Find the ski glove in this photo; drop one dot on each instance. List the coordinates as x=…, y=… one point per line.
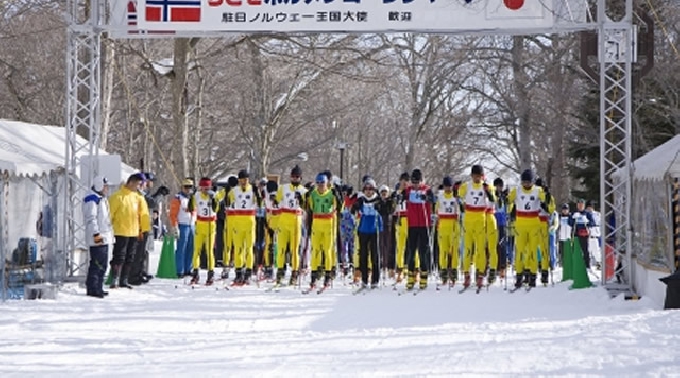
x=162, y=191
x=433, y=218
x=98, y=239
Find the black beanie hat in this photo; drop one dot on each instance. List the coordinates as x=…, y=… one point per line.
x=296, y=171
x=416, y=175
x=477, y=170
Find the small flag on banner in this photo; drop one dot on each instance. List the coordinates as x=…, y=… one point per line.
x=515, y=9
x=132, y=13
x=173, y=10
x=132, y=22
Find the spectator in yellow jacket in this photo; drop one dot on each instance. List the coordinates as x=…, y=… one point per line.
x=125, y=218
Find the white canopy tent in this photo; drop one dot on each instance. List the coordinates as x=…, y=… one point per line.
x=658, y=164
x=656, y=186
x=31, y=182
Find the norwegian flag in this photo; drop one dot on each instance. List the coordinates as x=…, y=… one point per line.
x=173, y=10
x=132, y=13
x=132, y=22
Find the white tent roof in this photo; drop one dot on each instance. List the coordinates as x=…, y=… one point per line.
x=28, y=149
x=657, y=163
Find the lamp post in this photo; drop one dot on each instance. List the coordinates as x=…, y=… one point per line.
x=341, y=146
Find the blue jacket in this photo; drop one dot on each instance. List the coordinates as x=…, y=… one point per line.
x=501, y=213
x=370, y=221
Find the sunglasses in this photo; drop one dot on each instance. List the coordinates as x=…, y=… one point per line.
x=321, y=182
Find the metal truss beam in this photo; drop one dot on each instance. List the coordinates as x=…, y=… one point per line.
x=616, y=55
x=81, y=118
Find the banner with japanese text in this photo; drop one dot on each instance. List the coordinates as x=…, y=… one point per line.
x=345, y=15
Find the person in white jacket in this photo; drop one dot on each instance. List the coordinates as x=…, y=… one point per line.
x=99, y=233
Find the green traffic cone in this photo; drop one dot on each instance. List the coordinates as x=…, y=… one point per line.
x=568, y=260
x=166, y=264
x=581, y=279
x=109, y=279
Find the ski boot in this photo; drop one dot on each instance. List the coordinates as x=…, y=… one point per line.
x=532, y=280
x=293, y=278
x=280, y=273
x=238, y=278
x=411, y=281
x=194, y=277
x=544, y=277
x=423, y=280
x=444, y=275
x=211, y=278
x=225, y=273
x=332, y=273
x=314, y=277
x=328, y=279
x=247, y=276
x=492, y=276
x=454, y=275
x=467, y=282
x=519, y=280
x=399, y=276
x=480, y=280
x=527, y=276
x=115, y=277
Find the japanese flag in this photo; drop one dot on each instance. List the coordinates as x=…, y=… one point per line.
x=517, y=9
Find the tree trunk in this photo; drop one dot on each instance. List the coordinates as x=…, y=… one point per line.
x=558, y=177
x=198, y=172
x=179, y=106
x=522, y=98
x=262, y=137
x=108, y=65
x=408, y=158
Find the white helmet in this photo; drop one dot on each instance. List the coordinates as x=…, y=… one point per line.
x=384, y=188
x=99, y=182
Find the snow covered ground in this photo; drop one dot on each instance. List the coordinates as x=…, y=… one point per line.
x=160, y=330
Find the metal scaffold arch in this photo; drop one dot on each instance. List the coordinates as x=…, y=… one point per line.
x=88, y=19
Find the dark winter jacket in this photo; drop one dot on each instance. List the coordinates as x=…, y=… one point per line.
x=580, y=221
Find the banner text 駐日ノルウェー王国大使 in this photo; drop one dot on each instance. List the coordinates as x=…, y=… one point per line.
x=344, y=15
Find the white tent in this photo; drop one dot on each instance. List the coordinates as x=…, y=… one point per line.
x=655, y=184
x=657, y=164
x=31, y=183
